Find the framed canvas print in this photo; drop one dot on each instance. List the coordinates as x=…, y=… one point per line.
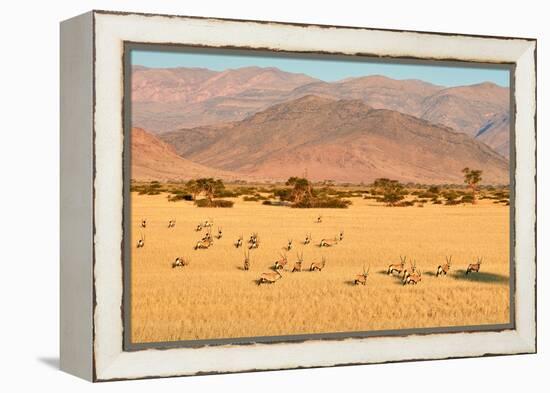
x=247, y=195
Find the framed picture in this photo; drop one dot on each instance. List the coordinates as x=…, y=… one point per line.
x=247, y=195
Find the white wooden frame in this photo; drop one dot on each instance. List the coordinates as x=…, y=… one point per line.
x=92, y=198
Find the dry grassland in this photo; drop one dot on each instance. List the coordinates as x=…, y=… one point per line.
x=214, y=297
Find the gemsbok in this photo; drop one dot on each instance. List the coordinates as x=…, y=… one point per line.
x=253, y=238
x=288, y=245
x=246, y=264
x=319, y=219
x=172, y=223
x=341, y=235
x=180, y=262
x=298, y=264
x=307, y=239
x=239, y=242
x=444, y=269
x=328, y=242
x=141, y=241
x=207, y=235
x=208, y=223
x=407, y=273
x=143, y=223
x=281, y=262
x=318, y=266
x=198, y=228
x=361, y=279
x=255, y=242
x=204, y=244
x=413, y=278
x=270, y=277
x=474, y=267
x=397, y=267
x=219, y=235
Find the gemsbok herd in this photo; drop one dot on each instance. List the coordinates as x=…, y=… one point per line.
x=410, y=275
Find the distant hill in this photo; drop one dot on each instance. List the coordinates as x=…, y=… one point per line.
x=169, y=99
x=340, y=140
x=152, y=159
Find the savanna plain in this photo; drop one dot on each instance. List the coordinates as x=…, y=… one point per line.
x=214, y=297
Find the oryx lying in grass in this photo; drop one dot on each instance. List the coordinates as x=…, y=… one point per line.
x=141, y=241
x=298, y=264
x=180, y=262
x=281, y=262
x=270, y=277
x=318, y=266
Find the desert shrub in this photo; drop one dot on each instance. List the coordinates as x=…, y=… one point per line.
x=247, y=198
x=180, y=197
x=334, y=203
x=214, y=203
x=224, y=193
x=467, y=199
x=267, y=202
x=451, y=197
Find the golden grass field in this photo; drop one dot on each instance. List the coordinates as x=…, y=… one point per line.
x=214, y=297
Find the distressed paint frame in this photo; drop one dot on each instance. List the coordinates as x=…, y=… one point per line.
x=111, y=30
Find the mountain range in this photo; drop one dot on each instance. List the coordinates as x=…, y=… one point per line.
x=340, y=140
x=168, y=99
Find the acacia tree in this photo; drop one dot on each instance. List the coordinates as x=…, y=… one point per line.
x=193, y=187
x=472, y=177
x=302, y=189
x=208, y=186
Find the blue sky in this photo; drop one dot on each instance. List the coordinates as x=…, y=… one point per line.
x=328, y=69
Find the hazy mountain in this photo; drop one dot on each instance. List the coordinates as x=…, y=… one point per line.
x=152, y=159
x=168, y=99
x=341, y=140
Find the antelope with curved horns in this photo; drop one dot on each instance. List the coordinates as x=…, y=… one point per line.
x=219, y=235
x=474, y=267
x=397, y=267
x=298, y=264
x=270, y=277
x=444, y=269
x=362, y=278
x=141, y=241
x=180, y=262
x=172, y=223
x=281, y=262
x=318, y=266
x=239, y=242
x=143, y=223
x=246, y=264
x=328, y=242
x=307, y=239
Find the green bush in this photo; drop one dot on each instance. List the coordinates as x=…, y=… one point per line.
x=180, y=197
x=215, y=203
